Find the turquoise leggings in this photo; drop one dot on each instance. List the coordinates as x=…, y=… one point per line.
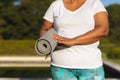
x=59, y=73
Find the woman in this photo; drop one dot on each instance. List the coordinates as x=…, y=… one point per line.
x=80, y=25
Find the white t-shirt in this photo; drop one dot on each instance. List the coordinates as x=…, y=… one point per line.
x=71, y=24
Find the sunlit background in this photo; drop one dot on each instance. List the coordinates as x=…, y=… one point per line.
x=105, y=2
x=20, y=22
x=109, y=2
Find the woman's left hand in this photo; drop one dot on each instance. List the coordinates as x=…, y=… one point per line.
x=63, y=40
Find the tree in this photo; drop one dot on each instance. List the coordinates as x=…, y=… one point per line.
x=114, y=20
x=22, y=22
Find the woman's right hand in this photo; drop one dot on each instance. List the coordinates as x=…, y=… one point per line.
x=63, y=40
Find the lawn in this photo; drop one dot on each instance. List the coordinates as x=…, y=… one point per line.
x=17, y=48
x=106, y=47
x=26, y=48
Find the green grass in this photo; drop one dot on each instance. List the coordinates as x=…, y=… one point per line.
x=26, y=48
x=106, y=46
x=17, y=48
x=115, y=60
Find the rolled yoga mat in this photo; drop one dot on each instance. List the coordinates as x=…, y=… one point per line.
x=46, y=44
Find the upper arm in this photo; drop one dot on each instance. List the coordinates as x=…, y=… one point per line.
x=47, y=24
x=101, y=20
x=45, y=27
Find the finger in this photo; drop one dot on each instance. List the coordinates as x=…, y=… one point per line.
x=54, y=35
x=57, y=37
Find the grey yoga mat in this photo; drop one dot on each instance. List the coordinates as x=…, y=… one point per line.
x=46, y=44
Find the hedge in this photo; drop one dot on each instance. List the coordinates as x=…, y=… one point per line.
x=114, y=53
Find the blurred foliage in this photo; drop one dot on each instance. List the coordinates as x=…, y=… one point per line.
x=23, y=21
x=114, y=53
x=114, y=21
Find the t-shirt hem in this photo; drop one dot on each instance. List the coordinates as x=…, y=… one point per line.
x=78, y=67
x=48, y=19
x=100, y=11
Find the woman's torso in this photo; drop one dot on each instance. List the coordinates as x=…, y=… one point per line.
x=71, y=24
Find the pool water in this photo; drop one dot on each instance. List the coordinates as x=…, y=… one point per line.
x=38, y=72
x=30, y=72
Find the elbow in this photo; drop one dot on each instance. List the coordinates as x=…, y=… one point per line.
x=105, y=32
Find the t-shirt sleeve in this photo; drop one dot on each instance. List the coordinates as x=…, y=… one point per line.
x=49, y=14
x=98, y=7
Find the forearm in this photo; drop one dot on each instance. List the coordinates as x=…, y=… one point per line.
x=91, y=36
x=101, y=29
